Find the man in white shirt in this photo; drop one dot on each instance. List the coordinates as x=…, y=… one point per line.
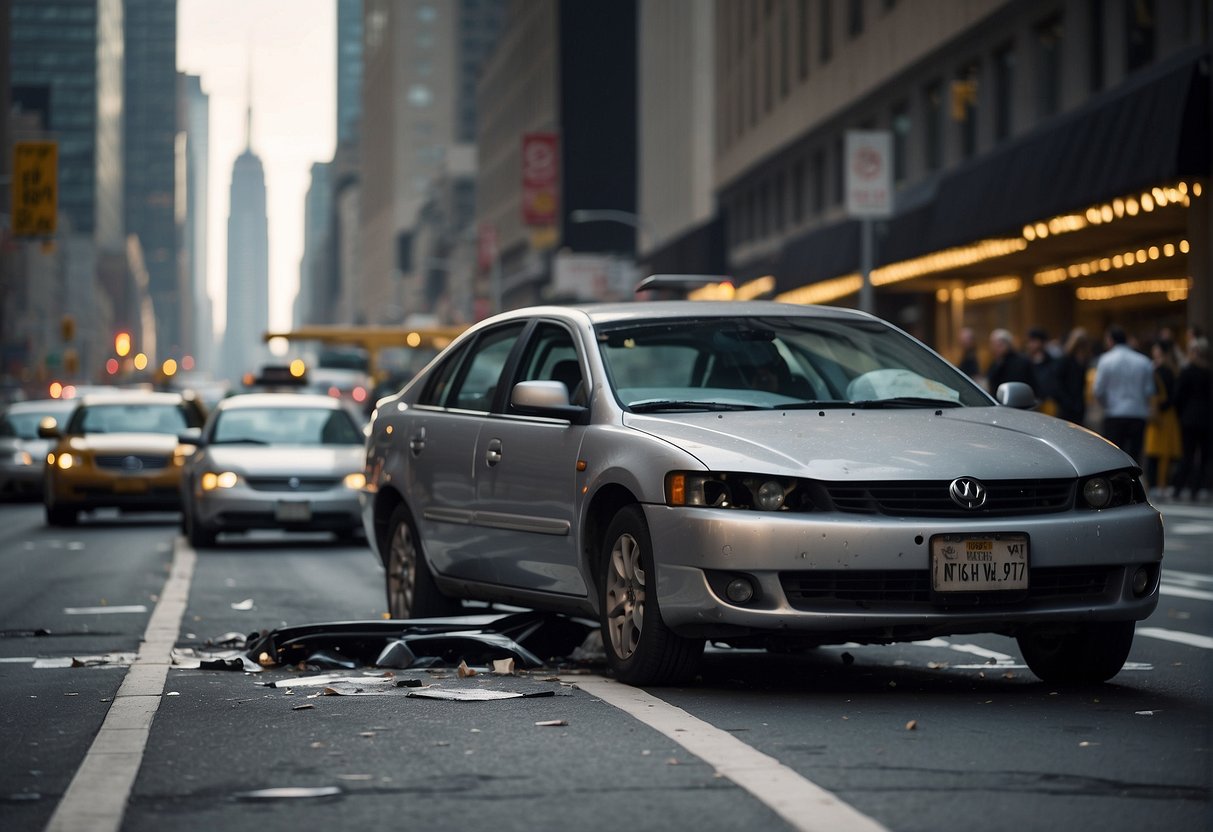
x=1124, y=383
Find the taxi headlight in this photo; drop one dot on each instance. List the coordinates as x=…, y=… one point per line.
x=64, y=461
x=355, y=481
x=224, y=479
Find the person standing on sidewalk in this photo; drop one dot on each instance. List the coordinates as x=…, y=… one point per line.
x=1124, y=383
x=1194, y=406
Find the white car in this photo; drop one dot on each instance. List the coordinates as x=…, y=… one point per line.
x=758, y=474
x=289, y=461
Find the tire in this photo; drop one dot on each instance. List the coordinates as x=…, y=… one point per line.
x=60, y=515
x=640, y=649
x=411, y=591
x=1084, y=654
x=199, y=535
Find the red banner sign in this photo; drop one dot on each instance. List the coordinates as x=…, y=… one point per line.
x=540, y=178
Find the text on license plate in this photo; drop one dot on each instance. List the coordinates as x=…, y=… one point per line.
x=293, y=512
x=979, y=563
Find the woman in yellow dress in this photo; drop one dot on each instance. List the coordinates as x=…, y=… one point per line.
x=1162, y=444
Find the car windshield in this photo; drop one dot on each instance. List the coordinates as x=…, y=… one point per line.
x=285, y=426
x=130, y=418
x=24, y=424
x=775, y=362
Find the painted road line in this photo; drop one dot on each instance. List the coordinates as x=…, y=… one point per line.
x=1177, y=576
x=802, y=803
x=131, y=608
x=1184, y=592
x=1177, y=636
x=96, y=799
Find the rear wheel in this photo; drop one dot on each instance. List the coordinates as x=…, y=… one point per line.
x=640, y=648
x=57, y=515
x=1082, y=654
x=411, y=591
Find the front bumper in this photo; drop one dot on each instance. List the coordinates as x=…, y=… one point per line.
x=825, y=577
x=242, y=508
x=91, y=487
x=23, y=480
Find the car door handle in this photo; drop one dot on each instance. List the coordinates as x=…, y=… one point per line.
x=417, y=442
x=493, y=455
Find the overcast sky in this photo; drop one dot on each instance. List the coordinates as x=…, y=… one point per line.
x=292, y=46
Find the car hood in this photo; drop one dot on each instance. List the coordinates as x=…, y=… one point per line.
x=287, y=460
x=113, y=443
x=863, y=445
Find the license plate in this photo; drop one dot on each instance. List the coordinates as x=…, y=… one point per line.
x=293, y=512
x=979, y=562
x=129, y=486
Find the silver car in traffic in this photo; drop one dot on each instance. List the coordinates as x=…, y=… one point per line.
x=288, y=461
x=754, y=474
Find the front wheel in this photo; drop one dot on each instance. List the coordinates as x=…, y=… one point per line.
x=640, y=648
x=1083, y=654
x=411, y=591
x=200, y=535
x=60, y=515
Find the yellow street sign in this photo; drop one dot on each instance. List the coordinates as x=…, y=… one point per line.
x=35, y=188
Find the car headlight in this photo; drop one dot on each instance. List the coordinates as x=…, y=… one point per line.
x=734, y=490
x=22, y=458
x=1118, y=488
x=181, y=453
x=355, y=481
x=63, y=461
x=221, y=479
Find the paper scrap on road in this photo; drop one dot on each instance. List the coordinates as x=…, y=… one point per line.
x=290, y=793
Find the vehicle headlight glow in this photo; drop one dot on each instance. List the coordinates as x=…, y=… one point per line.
x=21, y=458
x=1117, y=488
x=735, y=490
x=212, y=480
x=355, y=480
x=65, y=461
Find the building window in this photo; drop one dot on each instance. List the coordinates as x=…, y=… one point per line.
x=780, y=190
x=933, y=106
x=1004, y=91
x=826, y=26
x=1139, y=33
x=965, y=90
x=768, y=84
x=802, y=40
x=1095, y=19
x=764, y=212
x=1048, y=67
x=900, y=122
x=819, y=181
x=840, y=165
x=798, y=192
x=785, y=53
x=854, y=18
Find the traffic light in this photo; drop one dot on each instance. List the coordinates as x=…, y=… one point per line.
x=122, y=344
x=67, y=328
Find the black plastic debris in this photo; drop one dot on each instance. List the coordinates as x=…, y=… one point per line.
x=529, y=638
x=326, y=659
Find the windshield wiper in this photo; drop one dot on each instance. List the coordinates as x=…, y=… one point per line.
x=904, y=401
x=655, y=407
x=244, y=440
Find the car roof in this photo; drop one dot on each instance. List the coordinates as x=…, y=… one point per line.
x=639, y=311
x=40, y=406
x=130, y=397
x=283, y=400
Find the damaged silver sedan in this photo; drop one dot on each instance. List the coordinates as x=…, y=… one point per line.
x=758, y=475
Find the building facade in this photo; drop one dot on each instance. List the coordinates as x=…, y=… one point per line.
x=194, y=127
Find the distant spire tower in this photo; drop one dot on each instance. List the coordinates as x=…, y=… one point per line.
x=248, y=101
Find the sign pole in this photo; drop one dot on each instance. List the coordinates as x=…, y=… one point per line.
x=867, y=298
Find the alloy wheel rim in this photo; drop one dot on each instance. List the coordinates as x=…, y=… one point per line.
x=402, y=571
x=625, y=596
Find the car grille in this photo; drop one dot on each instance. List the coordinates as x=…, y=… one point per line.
x=818, y=589
x=931, y=499
x=123, y=462
x=293, y=484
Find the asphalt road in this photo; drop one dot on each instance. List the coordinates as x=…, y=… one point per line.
x=949, y=734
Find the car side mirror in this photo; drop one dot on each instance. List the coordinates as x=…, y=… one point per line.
x=1015, y=394
x=48, y=428
x=190, y=436
x=546, y=398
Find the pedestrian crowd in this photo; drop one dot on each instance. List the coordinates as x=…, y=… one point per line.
x=1153, y=399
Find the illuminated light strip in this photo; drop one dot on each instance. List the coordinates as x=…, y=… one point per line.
x=993, y=288
x=1121, y=260
x=755, y=288
x=951, y=258
x=713, y=291
x=1174, y=289
x=823, y=292
x=1116, y=209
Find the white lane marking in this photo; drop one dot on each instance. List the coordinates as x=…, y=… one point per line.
x=1177, y=636
x=1177, y=576
x=1185, y=592
x=130, y=608
x=19, y=660
x=802, y=803
x=96, y=799
x=983, y=652
x=1192, y=528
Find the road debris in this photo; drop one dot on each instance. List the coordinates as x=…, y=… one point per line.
x=912, y=725
x=246, y=604
x=551, y=723
x=291, y=793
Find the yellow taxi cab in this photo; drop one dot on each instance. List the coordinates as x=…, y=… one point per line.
x=118, y=450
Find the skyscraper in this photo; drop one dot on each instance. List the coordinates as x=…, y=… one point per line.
x=194, y=123
x=248, y=273
x=349, y=68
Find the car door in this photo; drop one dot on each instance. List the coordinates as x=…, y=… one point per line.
x=440, y=439
x=526, y=469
